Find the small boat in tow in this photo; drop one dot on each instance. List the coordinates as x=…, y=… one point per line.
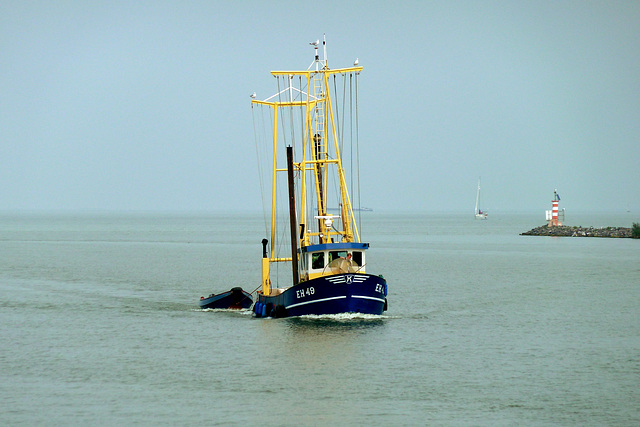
x=235, y=298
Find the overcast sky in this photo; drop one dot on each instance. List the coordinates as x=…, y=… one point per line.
x=144, y=105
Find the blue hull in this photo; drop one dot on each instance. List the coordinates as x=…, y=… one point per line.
x=340, y=293
x=235, y=298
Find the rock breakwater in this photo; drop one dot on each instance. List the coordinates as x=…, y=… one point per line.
x=569, y=231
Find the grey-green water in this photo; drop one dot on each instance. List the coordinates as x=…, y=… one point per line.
x=100, y=326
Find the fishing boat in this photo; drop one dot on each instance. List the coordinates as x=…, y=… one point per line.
x=235, y=298
x=479, y=213
x=314, y=262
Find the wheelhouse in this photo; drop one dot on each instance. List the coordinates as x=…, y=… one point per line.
x=332, y=258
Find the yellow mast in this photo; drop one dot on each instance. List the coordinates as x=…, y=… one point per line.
x=320, y=127
x=273, y=182
x=319, y=160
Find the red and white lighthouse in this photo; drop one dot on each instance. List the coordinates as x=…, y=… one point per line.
x=552, y=215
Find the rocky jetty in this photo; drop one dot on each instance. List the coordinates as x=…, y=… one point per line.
x=570, y=231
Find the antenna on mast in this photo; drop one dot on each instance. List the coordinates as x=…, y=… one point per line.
x=317, y=60
x=316, y=57
x=324, y=48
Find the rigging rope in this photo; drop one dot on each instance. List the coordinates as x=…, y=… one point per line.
x=258, y=157
x=305, y=130
x=358, y=158
x=351, y=131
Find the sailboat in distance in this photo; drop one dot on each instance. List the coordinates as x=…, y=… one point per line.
x=480, y=214
x=314, y=262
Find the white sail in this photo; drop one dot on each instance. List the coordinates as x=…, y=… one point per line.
x=478, y=212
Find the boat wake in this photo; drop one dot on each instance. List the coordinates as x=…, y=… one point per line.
x=343, y=316
x=243, y=312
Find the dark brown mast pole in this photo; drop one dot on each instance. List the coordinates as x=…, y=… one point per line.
x=292, y=216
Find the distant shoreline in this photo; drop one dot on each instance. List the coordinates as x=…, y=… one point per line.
x=363, y=209
x=572, y=231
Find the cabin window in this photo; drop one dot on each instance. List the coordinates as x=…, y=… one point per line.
x=317, y=260
x=333, y=255
x=303, y=262
x=357, y=258
x=322, y=260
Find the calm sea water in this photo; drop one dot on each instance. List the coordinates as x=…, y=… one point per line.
x=100, y=326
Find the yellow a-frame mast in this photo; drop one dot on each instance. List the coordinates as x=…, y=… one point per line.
x=320, y=130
